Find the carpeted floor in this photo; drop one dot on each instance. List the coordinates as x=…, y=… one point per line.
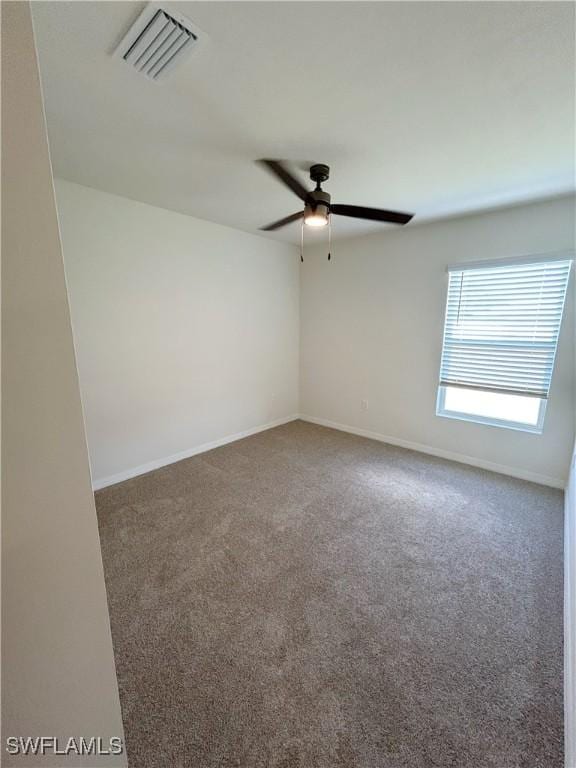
x=305, y=598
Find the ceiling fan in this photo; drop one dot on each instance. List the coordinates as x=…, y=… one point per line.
x=317, y=203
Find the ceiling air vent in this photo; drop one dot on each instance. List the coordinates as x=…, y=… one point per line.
x=158, y=41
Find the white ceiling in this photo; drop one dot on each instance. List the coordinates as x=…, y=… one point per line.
x=431, y=107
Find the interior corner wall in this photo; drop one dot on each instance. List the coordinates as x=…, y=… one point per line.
x=186, y=331
x=372, y=324
x=58, y=676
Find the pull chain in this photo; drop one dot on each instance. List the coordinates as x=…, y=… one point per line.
x=329, y=237
x=302, y=241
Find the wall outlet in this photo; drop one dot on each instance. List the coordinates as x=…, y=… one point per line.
x=363, y=405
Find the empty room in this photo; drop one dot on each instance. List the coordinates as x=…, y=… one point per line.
x=289, y=384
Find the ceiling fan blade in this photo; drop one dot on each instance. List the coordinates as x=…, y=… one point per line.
x=282, y=222
x=374, y=214
x=282, y=173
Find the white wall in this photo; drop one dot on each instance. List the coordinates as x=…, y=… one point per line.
x=570, y=617
x=58, y=676
x=371, y=328
x=186, y=331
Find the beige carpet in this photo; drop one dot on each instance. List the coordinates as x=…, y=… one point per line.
x=305, y=598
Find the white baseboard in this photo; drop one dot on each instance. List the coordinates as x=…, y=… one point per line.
x=502, y=469
x=104, y=482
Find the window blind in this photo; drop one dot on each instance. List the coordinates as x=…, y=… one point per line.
x=501, y=327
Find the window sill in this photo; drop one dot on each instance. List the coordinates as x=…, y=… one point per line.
x=518, y=427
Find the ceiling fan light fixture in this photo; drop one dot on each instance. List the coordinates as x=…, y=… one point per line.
x=316, y=217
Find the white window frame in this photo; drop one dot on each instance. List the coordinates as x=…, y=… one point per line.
x=441, y=409
x=521, y=426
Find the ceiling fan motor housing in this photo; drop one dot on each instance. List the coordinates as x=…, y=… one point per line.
x=317, y=208
x=318, y=202
x=318, y=197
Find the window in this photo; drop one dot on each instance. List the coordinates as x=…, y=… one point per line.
x=500, y=336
